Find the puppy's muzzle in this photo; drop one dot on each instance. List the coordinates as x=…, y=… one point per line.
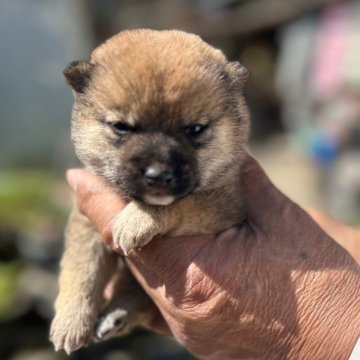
x=158, y=169
x=158, y=182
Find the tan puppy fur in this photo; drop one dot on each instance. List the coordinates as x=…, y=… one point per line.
x=160, y=116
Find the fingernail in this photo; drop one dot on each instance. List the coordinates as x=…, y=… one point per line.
x=71, y=177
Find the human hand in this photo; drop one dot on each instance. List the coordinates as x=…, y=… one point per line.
x=276, y=287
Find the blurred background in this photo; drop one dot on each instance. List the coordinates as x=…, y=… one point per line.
x=304, y=97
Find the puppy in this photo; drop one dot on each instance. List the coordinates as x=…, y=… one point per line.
x=160, y=117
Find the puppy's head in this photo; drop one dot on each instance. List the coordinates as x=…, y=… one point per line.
x=159, y=114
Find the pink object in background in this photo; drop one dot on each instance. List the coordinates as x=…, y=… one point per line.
x=330, y=49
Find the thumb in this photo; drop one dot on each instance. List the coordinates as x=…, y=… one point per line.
x=95, y=200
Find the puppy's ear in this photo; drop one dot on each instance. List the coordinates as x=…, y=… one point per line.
x=238, y=73
x=78, y=74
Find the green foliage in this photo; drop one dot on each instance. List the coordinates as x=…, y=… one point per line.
x=8, y=288
x=26, y=196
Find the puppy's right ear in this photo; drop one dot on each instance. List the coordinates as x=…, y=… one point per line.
x=78, y=74
x=238, y=73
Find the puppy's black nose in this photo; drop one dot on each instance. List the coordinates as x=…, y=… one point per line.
x=156, y=176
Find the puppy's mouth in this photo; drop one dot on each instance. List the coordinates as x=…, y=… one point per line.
x=165, y=198
x=156, y=197
x=160, y=200
x=160, y=188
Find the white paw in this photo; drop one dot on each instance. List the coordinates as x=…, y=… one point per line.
x=133, y=230
x=115, y=323
x=72, y=329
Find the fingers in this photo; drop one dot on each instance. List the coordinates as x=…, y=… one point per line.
x=95, y=200
x=169, y=257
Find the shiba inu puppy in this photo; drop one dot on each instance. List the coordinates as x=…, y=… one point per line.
x=160, y=116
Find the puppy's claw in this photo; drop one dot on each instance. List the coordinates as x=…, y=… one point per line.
x=128, y=250
x=127, y=246
x=70, y=343
x=71, y=331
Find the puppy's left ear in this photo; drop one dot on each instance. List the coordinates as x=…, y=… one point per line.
x=238, y=73
x=78, y=74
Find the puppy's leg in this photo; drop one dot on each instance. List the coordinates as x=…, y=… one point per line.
x=138, y=224
x=128, y=308
x=86, y=267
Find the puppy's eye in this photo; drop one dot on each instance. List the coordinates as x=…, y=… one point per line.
x=122, y=128
x=194, y=130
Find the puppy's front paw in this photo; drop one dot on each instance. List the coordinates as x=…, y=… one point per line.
x=72, y=329
x=133, y=229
